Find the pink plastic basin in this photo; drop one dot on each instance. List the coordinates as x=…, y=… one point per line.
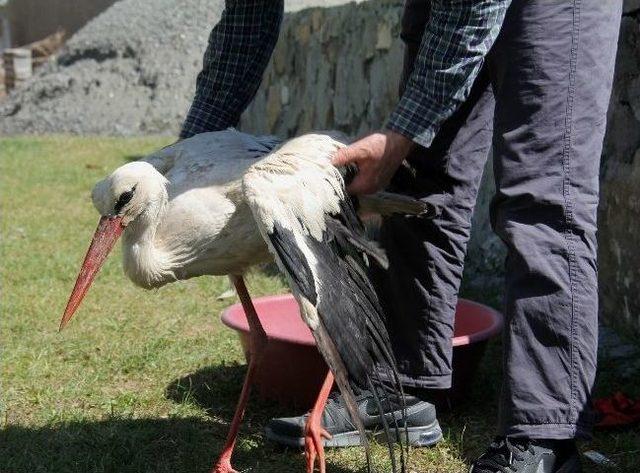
x=292, y=370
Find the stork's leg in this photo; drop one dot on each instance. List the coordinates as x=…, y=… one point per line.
x=314, y=432
x=258, y=342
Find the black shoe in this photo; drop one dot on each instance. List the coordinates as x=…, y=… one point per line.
x=422, y=425
x=511, y=455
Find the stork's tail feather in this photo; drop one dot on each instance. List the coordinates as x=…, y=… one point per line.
x=378, y=353
x=387, y=203
x=341, y=375
x=348, y=234
x=384, y=396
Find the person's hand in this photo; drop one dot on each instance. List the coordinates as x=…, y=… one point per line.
x=378, y=156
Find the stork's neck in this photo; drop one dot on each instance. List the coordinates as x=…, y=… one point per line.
x=145, y=262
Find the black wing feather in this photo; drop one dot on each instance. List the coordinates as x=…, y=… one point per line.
x=351, y=335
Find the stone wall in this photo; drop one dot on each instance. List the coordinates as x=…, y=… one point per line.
x=619, y=229
x=333, y=67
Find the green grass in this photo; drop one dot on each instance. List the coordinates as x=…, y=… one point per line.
x=146, y=381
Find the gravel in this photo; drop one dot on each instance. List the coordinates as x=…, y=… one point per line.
x=129, y=71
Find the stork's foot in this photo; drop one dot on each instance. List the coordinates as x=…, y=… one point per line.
x=314, y=436
x=224, y=465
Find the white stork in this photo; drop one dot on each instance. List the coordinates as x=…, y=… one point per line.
x=221, y=202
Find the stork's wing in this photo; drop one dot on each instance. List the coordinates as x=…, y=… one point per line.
x=312, y=230
x=208, y=148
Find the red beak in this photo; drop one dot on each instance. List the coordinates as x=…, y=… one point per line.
x=108, y=231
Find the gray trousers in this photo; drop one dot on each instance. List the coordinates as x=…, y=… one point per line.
x=540, y=102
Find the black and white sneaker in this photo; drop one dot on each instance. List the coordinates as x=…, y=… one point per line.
x=511, y=455
x=422, y=425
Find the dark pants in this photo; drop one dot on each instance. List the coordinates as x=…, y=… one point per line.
x=540, y=104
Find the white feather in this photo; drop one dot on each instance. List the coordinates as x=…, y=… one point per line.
x=298, y=173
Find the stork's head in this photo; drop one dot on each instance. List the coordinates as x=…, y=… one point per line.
x=132, y=193
x=129, y=192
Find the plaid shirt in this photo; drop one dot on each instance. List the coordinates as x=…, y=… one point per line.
x=239, y=49
x=457, y=38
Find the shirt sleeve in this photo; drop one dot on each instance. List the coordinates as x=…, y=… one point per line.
x=237, y=54
x=457, y=38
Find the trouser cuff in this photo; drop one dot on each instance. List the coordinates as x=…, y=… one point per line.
x=549, y=431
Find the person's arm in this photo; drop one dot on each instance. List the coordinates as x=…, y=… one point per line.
x=457, y=38
x=238, y=52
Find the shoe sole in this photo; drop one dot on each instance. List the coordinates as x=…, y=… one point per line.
x=423, y=436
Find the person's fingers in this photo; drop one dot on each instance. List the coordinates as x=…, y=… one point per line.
x=355, y=188
x=361, y=184
x=346, y=155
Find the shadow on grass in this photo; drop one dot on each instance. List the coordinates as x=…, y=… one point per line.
x=134, y=445
x=469, y=423
x=174, y=445
x=215, y=389
x=192, y=444
x=157, y=445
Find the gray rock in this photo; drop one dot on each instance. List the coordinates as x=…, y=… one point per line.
x=131, y=70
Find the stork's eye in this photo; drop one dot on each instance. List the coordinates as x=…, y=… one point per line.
x=123, y=200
